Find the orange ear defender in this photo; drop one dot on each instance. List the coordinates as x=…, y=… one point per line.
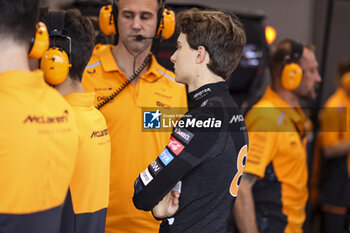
x=40, y=42
x=345, y=80
x=292, y=73
x=166, y=21
x=55, y=63
x=167, y=24
x=291, y=77
x=106, y=21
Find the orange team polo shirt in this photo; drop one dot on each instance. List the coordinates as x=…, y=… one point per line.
x=273, y=139
x=335, y=125
x=38, y=149
x=89, y=187
x=132, y=148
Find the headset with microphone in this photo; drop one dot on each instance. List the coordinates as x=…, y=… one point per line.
x=108, y=24
x=292, y=73
x=165, y=22
x=140, y=37
x=56, y=62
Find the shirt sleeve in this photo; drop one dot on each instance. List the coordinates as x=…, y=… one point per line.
x=190, y=145
x=260, y=154
x=263, y=140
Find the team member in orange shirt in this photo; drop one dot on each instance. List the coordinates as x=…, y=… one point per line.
x=273, y=191
x=38, y=131
x=132, y=148
x=335, y=141
x=86, y=204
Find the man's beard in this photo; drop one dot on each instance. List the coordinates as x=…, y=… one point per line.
x=307, y=95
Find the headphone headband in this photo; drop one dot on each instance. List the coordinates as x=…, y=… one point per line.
x=161, y=2
x=56, y=63
x=56, y=24
x=165, y=27
x=159, y=15
x=292, y=72
x=296, y=51
x=115, y=14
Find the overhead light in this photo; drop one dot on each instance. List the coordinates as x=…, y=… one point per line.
x=270, y=34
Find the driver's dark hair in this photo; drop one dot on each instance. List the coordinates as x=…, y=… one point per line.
x=220, y=33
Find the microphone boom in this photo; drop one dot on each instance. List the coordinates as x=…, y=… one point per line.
x=141, y=37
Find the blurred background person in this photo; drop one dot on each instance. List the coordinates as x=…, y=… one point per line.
x=273, y=191
x=335, y=148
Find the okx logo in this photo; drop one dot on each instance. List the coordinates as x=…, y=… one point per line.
x=151, y=119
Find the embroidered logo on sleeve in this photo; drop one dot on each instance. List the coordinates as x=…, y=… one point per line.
x=138, y=186
x=166, y=157
x=175, y=146
x=184, y=134
x=155, y=167
x=146, y=177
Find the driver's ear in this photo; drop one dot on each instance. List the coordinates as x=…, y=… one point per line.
x=201, y=54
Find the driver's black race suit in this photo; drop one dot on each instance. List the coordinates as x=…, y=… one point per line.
x=207, y=152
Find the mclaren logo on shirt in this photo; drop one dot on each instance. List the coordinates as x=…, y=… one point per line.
x=41, y=119
x=91, y=72
x=99, y=133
